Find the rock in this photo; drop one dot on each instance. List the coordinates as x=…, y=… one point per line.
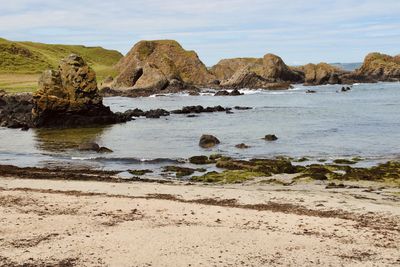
x=199, y=109
x=345, y=89
x=380, y=67
x=235, y=92
x=156, y=65
x=242, y=108
x=16, y=110
x=89, y=146
x=104, y=150
x=222, y=93
x=156, y=113
x=69, y=97
x=208, y=141
x=242, y=146
x=274, y=69
x=199, y=160
x=246, y=79
x=321, y=73
x=270, y=137
x=311, y=91
x=226, y=68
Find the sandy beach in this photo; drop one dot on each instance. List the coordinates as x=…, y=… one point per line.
x=88, y=223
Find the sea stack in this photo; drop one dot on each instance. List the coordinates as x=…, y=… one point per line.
x=157, y=65
x=69, y=97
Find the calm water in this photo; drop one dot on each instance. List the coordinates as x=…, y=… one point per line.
x=363, y=122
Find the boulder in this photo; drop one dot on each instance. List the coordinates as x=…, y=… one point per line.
x=208, y=141
x=242, y=146
x=104, y=150
x=156, y=65
x=226, y=68
x=221, y=93
x=270, y=137
x=89, y=146
x=69, y=97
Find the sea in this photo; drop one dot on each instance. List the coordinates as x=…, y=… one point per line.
x=328, y=124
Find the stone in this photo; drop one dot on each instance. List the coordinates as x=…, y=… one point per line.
x=104, y=150
x=208, y=141
x=270, y=137
x=89, y=146
x=242, y=146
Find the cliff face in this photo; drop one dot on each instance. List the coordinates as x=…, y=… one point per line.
x=156, y=64
x=380, y=67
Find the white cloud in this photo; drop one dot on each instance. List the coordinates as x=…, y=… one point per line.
x=300, y=31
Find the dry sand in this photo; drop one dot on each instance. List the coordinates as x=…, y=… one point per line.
x=77, y=223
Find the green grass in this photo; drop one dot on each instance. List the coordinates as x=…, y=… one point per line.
x=18, y=60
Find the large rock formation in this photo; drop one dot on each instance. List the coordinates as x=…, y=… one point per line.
x=69, y=97
x=380, y=67
x=322, y=73
x=155, y=65
x=226, y=68
x=254, y=73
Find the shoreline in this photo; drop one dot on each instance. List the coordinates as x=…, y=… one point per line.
x=95, y=223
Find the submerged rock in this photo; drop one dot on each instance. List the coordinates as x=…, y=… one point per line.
x=270, y=137
x=242, y=146
x=89, y=146
x=208, y=141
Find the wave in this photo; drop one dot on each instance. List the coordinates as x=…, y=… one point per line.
x=131, y=160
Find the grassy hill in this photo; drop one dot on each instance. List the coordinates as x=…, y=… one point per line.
x=22, y=62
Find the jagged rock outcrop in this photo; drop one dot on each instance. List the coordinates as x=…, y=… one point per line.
x=156, y=65
x=69, y=97
x=255, y=73
x=226, y=68
x=249, y=79
x=322, y=73
x=380, y=67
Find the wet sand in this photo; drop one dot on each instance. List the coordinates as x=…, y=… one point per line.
x=76, y=223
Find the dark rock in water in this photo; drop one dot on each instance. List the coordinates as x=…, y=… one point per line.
x=194, y=93
x=199, y=160
x=311, y=91
x=222, y=93
x=229, y=112
x=235, y=92
x=270, y=137
x=69, y=97
x=156, y=113
x=140, y=172
x=242, y=146
x=90, y=146
x=208, y=141
x=191, y=116
x=242, y=108
x=199, y=109
x=104, y=150
x=345, y=89
x=181, y=171
x=15, y=110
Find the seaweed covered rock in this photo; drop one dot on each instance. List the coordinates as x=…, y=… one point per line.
x=69, y=97
x=156, y=65
x=208, y=141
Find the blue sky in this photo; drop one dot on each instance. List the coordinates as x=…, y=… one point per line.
x=298, y=31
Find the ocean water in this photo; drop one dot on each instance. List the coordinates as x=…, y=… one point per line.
x=364, y=122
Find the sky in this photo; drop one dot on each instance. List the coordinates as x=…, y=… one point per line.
x=298, y=31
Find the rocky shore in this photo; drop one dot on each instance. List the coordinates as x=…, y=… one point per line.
x=154, y=67
x=94, y=218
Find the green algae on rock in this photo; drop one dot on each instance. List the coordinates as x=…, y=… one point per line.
x=227, y=176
